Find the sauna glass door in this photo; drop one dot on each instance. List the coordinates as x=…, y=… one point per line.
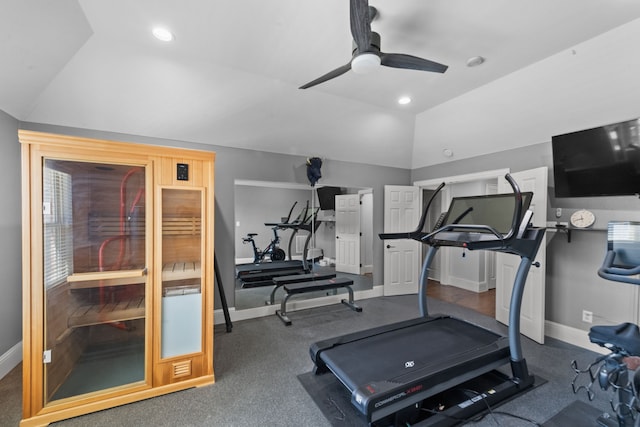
x=95, y=283
x=182, y=251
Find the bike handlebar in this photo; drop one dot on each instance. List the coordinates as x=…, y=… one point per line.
x=618, y=274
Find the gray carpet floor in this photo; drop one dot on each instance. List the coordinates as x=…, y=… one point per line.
x=257, y=366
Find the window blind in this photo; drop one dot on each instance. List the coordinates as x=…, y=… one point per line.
x=58, y=227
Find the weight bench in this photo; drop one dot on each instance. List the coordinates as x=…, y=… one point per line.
x=317, y=285
x=295, y=278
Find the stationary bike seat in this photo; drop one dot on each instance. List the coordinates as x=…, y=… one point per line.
x=625, y=336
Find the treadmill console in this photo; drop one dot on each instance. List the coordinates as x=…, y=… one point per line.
x=473, y=219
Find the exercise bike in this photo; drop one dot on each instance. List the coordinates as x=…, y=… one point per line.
x=621, y=264
x=273, y=250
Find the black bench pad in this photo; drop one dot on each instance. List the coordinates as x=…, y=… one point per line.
x=316, y=285
x=295, y=278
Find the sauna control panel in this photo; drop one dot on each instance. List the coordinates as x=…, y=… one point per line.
x=182, y=173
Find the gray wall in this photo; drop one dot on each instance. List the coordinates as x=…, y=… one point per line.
x=572, y=283
x=239, y=164
x=10, y=230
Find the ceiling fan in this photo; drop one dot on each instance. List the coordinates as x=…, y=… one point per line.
x=366, y=53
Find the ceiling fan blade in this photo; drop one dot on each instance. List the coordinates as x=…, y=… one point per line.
x=330, y=75
x=360, y=24
x=400, y=60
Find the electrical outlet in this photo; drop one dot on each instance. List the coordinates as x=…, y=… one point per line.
x=587, y=316
x=558, y=212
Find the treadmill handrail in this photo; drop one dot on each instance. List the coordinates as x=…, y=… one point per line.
x=517, y=212
x=618, y=274
x=416, y=234
x=306, y=213
x=291, y=211
x=285, y=222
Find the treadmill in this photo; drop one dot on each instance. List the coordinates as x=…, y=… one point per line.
x=258, y=274
x=421, y=371
x=307, y=220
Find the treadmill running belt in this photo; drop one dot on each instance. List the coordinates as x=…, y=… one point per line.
x=426, y=348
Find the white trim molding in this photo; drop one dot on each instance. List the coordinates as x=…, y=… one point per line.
x=571, y=335
x=478, y=176
x=10, y=359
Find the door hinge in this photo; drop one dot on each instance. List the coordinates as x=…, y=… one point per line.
x=46, y=356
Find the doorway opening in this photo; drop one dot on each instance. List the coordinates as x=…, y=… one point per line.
x=456, y=277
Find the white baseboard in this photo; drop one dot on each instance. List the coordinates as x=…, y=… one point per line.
x=570, y=335
x=468, y=285
x=10, y=359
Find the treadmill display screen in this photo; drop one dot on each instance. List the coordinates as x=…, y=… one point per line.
x=494, y=210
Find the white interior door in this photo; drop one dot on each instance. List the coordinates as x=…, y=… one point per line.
x=402, y=256
x=532, y=316
x=348, y=233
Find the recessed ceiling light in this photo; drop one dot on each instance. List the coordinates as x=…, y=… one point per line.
x=162, y=34
x=404, y=100
x=475, y=61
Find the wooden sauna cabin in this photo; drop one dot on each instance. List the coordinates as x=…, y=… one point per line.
x=117, y=272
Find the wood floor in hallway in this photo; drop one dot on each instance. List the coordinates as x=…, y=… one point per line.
x=482, y=302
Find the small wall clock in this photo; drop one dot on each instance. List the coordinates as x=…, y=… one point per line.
x=582, y=218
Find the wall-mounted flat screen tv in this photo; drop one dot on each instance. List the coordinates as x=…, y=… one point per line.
x=327, y=197
x=602, y=161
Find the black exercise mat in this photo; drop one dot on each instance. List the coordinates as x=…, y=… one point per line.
x=577, y=413
x=333, y=399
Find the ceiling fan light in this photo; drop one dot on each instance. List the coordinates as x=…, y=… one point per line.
x=162, y=34
x=365, y=63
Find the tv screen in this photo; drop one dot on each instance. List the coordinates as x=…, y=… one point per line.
x=603, y=161
x=327, y=197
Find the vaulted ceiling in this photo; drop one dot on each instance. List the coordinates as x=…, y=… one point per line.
x=231, y=77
